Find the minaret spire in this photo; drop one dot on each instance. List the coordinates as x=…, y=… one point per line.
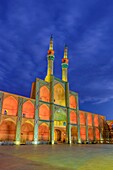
x=65, y=64
x=50, y=58
x=51, y=43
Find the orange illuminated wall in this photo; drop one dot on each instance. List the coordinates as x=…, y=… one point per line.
x=44, y=112
x=27, y=131
x=96, y=120
x=74, y=133
x=89, y=117
x=44, y=132
x=83, y=133
x=28, y=109
x=82, y=118
x=73, y=117
x=44, y=94
x=97, y=134
x=73, y=103
x=90, y=133
x=7, y=131
x=10, y=106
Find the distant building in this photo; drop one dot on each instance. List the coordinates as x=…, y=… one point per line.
x=51, y=114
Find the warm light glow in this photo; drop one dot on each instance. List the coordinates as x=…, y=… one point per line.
x=97, y=134
x=89, y=117
x=28, y=109
x=83, y=133
x=96, y=123
x=7, y=131
x=73, y=117
x=27, y=132
x=44, y=132
x=44, y=94
x=82, y=118
x=10, y=106
x=44, y=112
x=90, y=133
x=73, y=103
x=59, y=95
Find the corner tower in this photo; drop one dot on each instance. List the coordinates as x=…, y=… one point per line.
x=65, y=65
x=50, y=57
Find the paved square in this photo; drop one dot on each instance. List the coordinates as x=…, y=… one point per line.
x=57, y=157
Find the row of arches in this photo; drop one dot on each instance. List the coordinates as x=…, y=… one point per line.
x=10, y=107
x=89, y=118
x=8, y=132
x=59, y=96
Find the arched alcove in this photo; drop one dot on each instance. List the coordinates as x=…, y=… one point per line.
x=82, y=118
x=44, y=94
x=97, y=133
x=10, y=106
x=28, y=109
x=7, y=130
x=59, y=95
x=74, y=134
x=83, y=133
x=27, y=131
x=73, y=103
x=89, y=117
x=90, y=134
x=73, y=117
x=44, y=112
x=43, y=132
x=96, y=120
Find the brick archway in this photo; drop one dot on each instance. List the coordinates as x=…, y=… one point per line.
x=7, y=130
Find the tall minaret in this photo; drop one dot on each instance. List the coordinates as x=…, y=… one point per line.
x=50, y=58
x=65, y=65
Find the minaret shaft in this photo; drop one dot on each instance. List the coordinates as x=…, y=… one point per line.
x=50, y=58
x=65, y=65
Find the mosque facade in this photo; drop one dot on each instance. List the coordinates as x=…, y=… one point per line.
x=51, y=114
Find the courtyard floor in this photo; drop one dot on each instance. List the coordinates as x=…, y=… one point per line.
x=57, y=157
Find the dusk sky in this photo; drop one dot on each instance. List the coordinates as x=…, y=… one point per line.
x=86, y=26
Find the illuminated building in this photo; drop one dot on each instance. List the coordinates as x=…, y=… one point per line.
x=51, y=114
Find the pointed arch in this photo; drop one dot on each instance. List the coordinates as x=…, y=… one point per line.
x=44, y=112
x=59, y=94
x=73, y=117
x=83, y=133
x=90, y=134
x=43, y=132
x=74, y=134
x=96, y=123
x=27, y=131
x=82, y=118
x=97, y=133
x=28, y=109
x=89, y=117
x=7, y=130
x=10, y=106
x=73, y=103
x=44, y=94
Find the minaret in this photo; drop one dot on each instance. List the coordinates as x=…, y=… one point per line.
x=65, y=65
x=50, y=58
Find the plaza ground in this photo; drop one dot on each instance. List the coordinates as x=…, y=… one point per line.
x=57, y=157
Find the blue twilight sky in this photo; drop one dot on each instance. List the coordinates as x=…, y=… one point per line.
x=86, y=26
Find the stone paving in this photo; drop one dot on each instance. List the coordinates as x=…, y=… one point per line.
x=57, y=157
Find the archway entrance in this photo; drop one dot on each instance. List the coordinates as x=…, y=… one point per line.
x=57, y=135
x=74, y=134
x=7, y=131
x=60, y=125
x=27, y=131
